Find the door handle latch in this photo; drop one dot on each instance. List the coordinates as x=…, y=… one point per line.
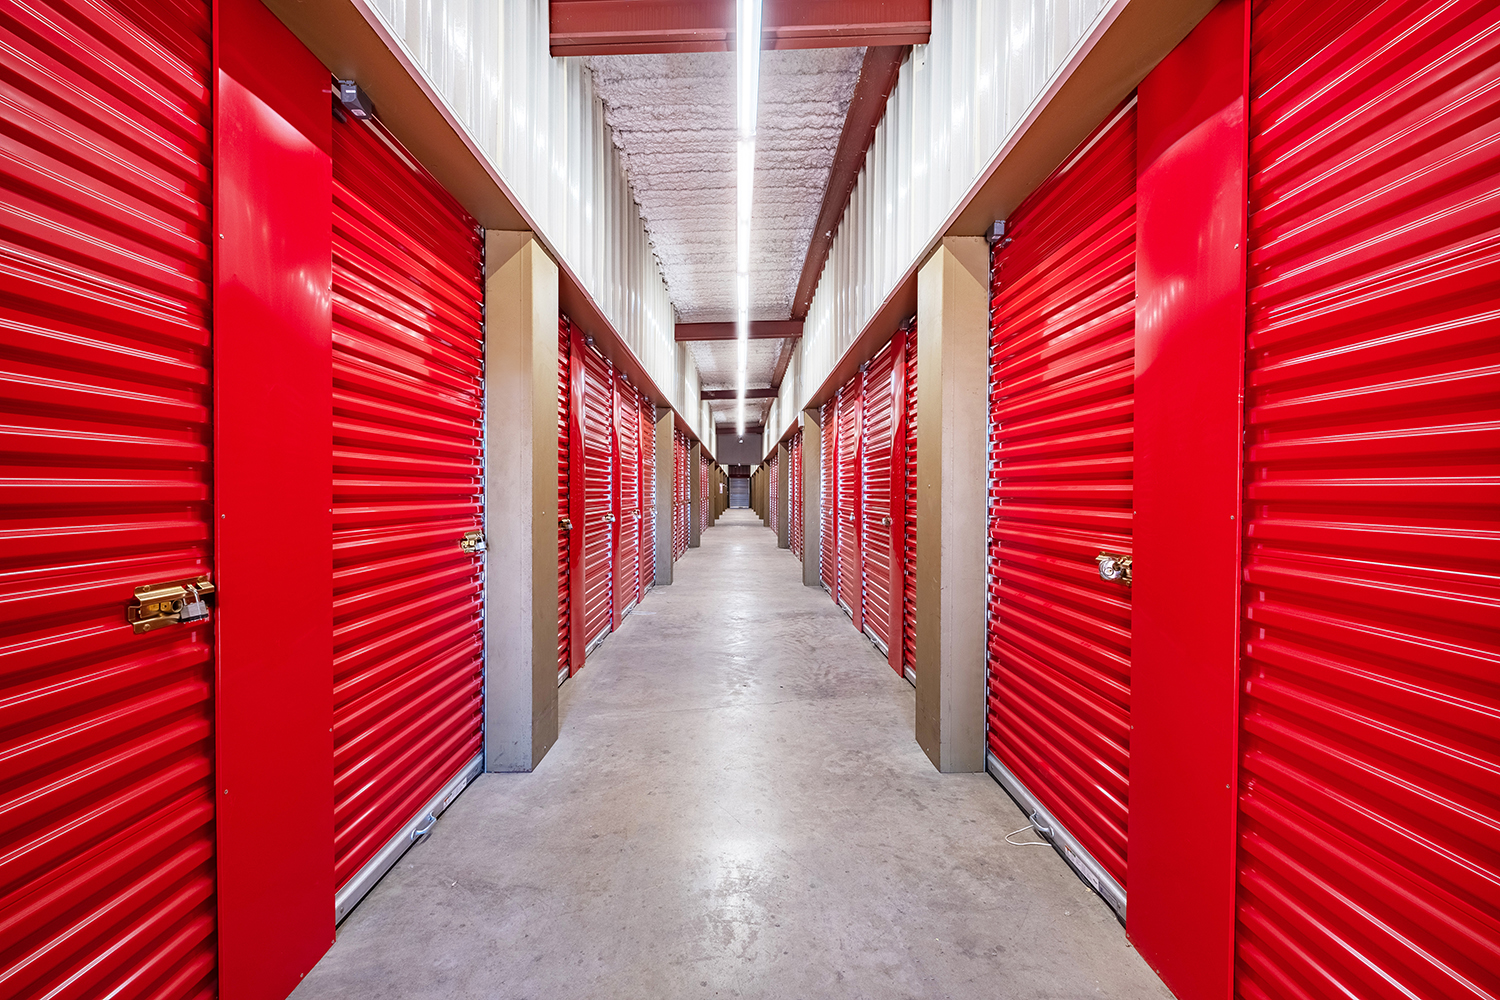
x=158, y=604
x=1113, y=567
x=563, y=524
x=473, y=542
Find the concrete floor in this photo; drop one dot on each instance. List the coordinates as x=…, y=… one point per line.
x=735, y=808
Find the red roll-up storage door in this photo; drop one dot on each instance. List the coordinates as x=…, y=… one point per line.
x=909, y=534
x=1369, y=794
x=795, y=488
x=646, y=424
x=598, y=498
x=703, y=467
x=878, y=416
x=828, y=505
x=679, y=493
x=628, y=499
x=848, y=486
x=774, y=485
x=106, y=750
x=408, y=293
x=1062, y=351
x=564, y=504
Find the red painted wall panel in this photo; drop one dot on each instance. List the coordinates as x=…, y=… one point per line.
x=1369, y=787
x=408, y=289
x=879, y=414
x=828, y=509
x=646, y=429
x=847, y=485
x=106, y=753
x=627, y=499
x=1061, y=374
x=599, y=497
x=564, y=500
x=909, y=492
x=272, y=397
x=1189, y=367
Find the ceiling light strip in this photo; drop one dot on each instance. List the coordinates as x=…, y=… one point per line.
x=747, y=98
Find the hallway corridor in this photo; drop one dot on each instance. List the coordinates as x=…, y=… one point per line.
x=736, y=806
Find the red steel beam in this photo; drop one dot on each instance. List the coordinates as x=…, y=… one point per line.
x=627, y=27
x=876, y=78
x=734, y=394
x=760, y=329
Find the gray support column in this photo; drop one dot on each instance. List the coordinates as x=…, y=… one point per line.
x=695, y=495
x=664, y=460
x=953, y=317
x=520, y=524
x=783, y=497
x=812, y=499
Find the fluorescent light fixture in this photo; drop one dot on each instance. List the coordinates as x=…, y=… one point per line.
x=747, y=99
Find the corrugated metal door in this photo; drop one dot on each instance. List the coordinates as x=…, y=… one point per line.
x=408, y=293
x=598, y=498
x=628, y=499
x=564, y=506
x=773, y=467
x=679, y=494
x=1062, y=351
x=795, y=488
x=828, y=507
x=909, y=535
x=877, y=431
x=646, y=422
x=739, y=492
x=703, y=470
x=849, y=474
x=106, y=754
x=1369, y=796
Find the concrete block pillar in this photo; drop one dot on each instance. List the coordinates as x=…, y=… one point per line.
x=664, y=459
x=695, y=495
x=520, y=521
x=812, y=499
x=953, y=317
x=783, y=496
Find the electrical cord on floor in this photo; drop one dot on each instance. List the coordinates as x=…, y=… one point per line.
x=1025, y=843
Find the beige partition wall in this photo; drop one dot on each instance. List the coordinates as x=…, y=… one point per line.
x=520, y=521
x=695, y=495
x=812, y=499
x=783, y=496
x=953, y=315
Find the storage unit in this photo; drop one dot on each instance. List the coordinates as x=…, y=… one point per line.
x=1369, y=802
x=795, y=511
x=909, y=495
x=679, y=494
x=773, y=487
x=565, y=461
x=646, y=525
x=596, y=430
x=704, y=468
x=828, y=510
x=106, y=783
x=408, y=328
x=1061, y=381
x=882, y=480
x=627, y=550
x=847, y=486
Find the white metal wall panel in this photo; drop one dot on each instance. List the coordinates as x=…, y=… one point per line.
x=957, y=102
x=537, y=120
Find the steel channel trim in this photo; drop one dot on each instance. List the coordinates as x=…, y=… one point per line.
x=347, y=898
x=562, y=675
x=1081, y=861
x=875, y=640
x=911, y=676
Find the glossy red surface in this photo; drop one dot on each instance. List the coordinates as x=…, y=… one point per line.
x=1189, y=364
x=847, y=486
x=1369, y=787
x=564, y=502
x=794, y=480
x=879, y=417
x=909, y=492
x=773, y=483
x=408, y=292
x=704, y=467
x=107, y=805
x=646, y=431
x=577, y=643
x=599, y=509
x=627, y=555
x=828, y=510
x=680, y=507
x=1059, y=638
x=273, y=408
